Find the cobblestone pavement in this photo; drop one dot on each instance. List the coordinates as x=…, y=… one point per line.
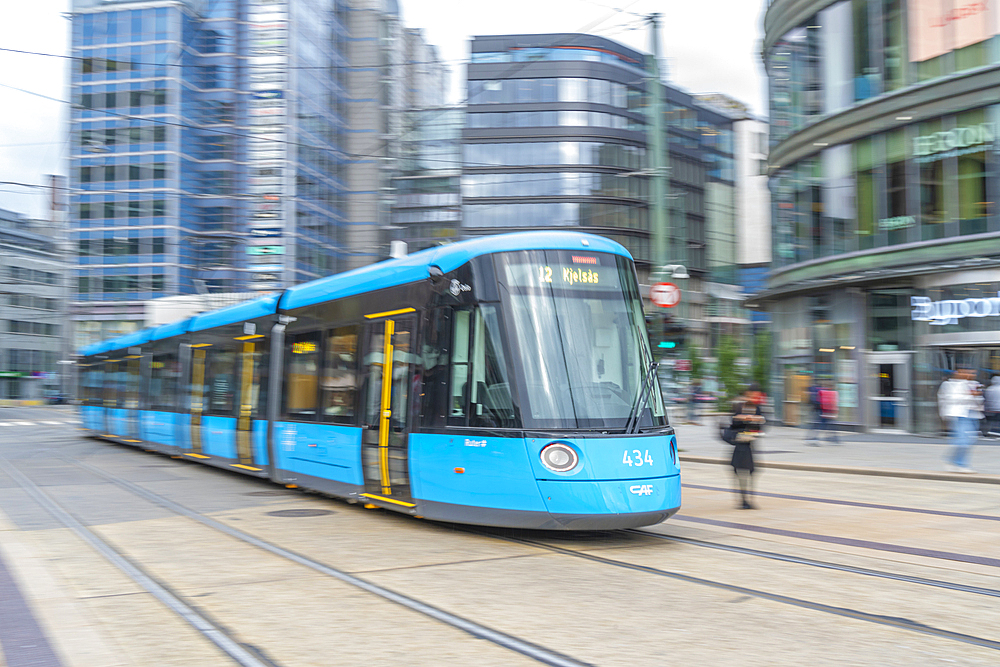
x=830, y=569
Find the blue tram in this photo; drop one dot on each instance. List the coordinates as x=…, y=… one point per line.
x=502, y=381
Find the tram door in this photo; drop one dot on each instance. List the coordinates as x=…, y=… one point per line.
x=388, y=377
x=249, y=390
x=197, y=396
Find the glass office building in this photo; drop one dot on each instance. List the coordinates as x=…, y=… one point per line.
x=556, y=136
x=883, y=175
x=205, y=150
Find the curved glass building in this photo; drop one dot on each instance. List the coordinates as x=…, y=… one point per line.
x=556, y=136
x=883, y=175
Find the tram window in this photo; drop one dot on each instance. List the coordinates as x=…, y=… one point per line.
x=402, y=371
x=164, y=374
x=132, y=379
x=460, y=368
x=434, y=368
x=111, y=381
x=491, y=404
x=480, y=391
x=301, y=380
x=92, y=386
x=220, y=382
x=340, y=379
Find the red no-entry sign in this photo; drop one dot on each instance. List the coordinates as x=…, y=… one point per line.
x=665, y=295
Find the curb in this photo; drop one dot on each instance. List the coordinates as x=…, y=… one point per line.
x=846, y=470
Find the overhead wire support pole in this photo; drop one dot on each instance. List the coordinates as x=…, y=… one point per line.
x=659, y=160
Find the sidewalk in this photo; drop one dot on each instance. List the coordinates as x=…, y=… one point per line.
x=895, y=455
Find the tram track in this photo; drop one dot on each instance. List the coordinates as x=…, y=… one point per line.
x=534, y=651
x=798, y=560
x=213, y=630
x=844, y=612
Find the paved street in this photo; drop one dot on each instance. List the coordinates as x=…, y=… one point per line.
x=831, y=569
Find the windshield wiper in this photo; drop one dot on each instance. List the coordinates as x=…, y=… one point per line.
x=640, y=401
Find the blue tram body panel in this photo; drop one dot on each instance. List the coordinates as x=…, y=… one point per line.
x=118, y=421
x=159, y=427
x=218, y=436
x=320, y=450
x=634, y=457
x=92, y=417
x=260, y=442
x=612, y=497
x=495, y=474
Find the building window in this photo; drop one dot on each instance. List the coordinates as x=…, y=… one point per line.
x=864, y=170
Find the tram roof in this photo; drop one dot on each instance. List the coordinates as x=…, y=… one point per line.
x=415, y=267
x=390, y=273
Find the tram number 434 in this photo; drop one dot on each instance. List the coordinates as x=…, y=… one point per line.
x=636, y=458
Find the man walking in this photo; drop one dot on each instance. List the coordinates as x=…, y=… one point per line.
x=960, y=408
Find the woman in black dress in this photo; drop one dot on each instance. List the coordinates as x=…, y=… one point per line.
x=744, y=428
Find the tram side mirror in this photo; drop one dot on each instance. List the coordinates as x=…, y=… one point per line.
x=436, y=277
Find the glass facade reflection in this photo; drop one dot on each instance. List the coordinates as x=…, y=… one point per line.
x=186, y=153
x=558, y=140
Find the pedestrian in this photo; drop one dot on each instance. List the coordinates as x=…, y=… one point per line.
x=991, y=403
x=829, y=411
x=814, y=415
x=695, y=392
x=961, y=409
x=744, y=427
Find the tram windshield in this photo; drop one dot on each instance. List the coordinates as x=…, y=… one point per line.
x=579, y=340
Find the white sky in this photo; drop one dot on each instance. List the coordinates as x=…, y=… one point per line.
x=709, y=46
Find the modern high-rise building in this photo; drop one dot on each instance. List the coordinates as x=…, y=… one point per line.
x=206, y=149
x=556, y=136
x=33, y=329
x=752, y=221
x=427, y=199
x=232, y=145
x=393, y=73
x=884, y=171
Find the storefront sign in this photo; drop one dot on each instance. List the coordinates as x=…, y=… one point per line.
x=937, y=27
x=959, y=141
x=901, y=222
x=953, y=310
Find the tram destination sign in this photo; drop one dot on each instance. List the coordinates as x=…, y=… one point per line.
x=585, y=273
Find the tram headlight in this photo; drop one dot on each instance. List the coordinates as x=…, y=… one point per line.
x=559, y=457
